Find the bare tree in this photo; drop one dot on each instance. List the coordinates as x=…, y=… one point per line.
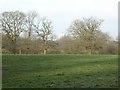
x=44, y=31
x=12, y=26
x=30, y=22
x=86, y=30
x=30, y=25
x=0, y=34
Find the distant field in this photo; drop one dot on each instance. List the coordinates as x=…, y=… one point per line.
x=60, y=71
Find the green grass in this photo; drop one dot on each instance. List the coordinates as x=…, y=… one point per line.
x=60, y=71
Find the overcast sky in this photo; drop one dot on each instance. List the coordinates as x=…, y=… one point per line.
x=63, y=12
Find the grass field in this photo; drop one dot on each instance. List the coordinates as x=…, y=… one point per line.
x=60, y=71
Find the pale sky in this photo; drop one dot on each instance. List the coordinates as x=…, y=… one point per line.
x=63, y=12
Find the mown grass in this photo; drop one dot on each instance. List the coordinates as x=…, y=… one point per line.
x=60, y=71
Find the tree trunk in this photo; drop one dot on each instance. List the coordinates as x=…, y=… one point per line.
x=90, y=52
x=14, y=51
x=14, y=46
x=20, y=51
x=45, y=52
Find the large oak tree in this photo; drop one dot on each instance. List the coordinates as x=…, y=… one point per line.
x=12, y=26
x=87, y=31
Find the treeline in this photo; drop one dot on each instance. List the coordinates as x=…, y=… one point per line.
x=28, y=33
